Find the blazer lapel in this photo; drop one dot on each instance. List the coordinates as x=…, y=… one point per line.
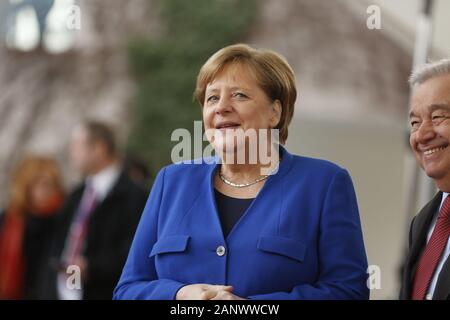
x=269, y=187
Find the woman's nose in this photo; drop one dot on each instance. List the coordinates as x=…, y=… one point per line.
x=223, y=106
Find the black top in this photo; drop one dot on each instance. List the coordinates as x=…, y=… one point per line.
x=230, y=210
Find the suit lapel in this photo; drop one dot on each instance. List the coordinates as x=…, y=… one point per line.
x=419, y=233
x=442, y=290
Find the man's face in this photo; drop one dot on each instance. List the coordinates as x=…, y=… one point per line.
x=82, y=153
x=430, y=128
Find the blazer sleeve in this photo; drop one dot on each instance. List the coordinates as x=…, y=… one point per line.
x=139, y=279
x=341, y=254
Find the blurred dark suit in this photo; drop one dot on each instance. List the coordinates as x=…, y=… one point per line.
x=110, y=231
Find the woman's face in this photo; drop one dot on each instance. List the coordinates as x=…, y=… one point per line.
x=43, y=190
x=235, y=103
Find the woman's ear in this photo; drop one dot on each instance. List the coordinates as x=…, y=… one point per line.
x=276, y=109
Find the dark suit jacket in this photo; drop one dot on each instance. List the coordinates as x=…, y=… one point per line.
x=110, y=231
x=417, y=240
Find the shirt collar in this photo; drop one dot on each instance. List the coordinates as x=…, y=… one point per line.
x=444, y=196
x=103, y=181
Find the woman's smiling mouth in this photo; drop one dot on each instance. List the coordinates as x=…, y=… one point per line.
x=227, y=125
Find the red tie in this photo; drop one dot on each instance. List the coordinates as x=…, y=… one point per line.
x=78, y=228
x=432, y=253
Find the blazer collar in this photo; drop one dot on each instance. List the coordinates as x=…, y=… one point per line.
x=284, y=167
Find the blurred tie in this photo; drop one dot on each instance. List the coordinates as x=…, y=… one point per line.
x=77, y=233
x=432, y=253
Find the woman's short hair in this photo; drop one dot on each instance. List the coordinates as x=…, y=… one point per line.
x=272, y=71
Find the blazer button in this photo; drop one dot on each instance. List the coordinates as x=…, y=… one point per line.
x=220, y=251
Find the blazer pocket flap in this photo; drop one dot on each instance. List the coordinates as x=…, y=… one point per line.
x=284, y=246
x=170, y=244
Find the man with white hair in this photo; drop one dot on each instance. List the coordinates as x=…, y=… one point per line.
x=426, y=272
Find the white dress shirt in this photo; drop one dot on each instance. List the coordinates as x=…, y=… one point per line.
x=444, y=257
x=104, y=181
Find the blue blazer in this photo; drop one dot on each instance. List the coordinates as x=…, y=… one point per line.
x=299, y=239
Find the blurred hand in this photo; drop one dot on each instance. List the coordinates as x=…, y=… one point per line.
x=201, y=291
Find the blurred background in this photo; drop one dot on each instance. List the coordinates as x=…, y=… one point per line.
x=133, y=64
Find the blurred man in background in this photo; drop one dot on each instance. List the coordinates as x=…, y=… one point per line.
x=427, y=268
x=97, y=221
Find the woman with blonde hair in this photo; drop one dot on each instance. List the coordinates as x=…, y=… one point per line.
x=26, y=225
x=287, y=229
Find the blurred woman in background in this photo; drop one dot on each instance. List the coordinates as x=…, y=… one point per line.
x=26, y=225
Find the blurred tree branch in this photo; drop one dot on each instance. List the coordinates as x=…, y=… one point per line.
x=166, y=68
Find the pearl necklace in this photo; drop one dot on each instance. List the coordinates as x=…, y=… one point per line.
x=243, y=185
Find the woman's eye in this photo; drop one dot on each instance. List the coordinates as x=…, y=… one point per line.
x=240, y=95
x=212, y=98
